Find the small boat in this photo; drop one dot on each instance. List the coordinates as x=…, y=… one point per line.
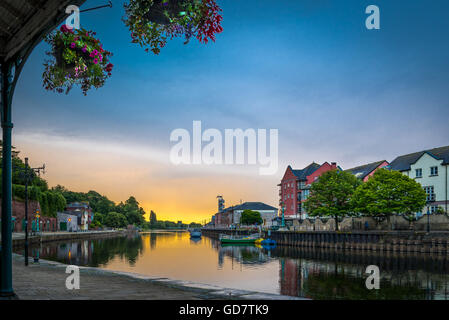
x=195, y=233
x=268, y=242
x=251, y=239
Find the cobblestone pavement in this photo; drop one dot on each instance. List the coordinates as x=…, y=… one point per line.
x=45, y=281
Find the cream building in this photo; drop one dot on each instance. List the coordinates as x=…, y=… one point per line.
x=430, y=169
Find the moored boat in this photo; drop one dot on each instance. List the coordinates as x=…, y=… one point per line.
x=251, y=239
x=195, y=233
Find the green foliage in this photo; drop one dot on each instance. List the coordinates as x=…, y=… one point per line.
x=50, y=201
x=115, y=220
x=330, y=194
x=389, y=192
x=249, y=217
x=98, y=219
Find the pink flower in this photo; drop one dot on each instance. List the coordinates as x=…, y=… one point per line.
x=95, y=60
x=95, y=52
x=73, y=45
x=84, y=49
x=64, y=28
x=109, y=67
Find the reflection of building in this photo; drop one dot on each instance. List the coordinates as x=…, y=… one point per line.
x=79, y=253
x=290, y=277
x=243, y=254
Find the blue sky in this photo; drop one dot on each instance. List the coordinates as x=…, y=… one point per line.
x=335, y=90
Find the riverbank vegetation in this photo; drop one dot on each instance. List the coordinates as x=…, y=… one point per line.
x=50, y=202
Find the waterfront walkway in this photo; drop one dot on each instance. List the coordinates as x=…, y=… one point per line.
x=46, y=281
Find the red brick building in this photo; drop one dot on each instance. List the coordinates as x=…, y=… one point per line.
x=295, y=185
x=18, y=217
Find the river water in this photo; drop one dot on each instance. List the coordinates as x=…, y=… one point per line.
x=316, y=274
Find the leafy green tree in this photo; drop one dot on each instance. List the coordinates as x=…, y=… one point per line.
x=115, y=220
x=387, y=193
x=98, y=218
x=330, y=195
x=250, y=217
x=134, y=217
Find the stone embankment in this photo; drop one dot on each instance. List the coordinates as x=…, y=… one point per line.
x=436, y=242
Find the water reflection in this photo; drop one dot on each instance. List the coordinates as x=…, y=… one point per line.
x=317, y=274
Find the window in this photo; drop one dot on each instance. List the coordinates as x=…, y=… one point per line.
x=433, y=171
x=430, y=193
x=306, y=194
x=418, y=173
x=433, y=209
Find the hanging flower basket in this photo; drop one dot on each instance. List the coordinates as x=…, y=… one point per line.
x=153, y=22
x=162, y=11
x=77, y=59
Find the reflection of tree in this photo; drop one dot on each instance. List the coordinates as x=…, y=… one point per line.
x=95, y=252
x=341, y=286
x=124, y=247
x=153, y=237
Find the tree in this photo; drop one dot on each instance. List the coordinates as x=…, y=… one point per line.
x=98, y=219
x=153, y=218
x=250, y=217
x=134, y=214
x=330, y=195
x=115, y=220
x=387, y=193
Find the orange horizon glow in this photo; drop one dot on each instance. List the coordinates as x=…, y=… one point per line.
x=186, y=194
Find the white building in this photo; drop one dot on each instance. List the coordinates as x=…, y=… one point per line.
x=430, y=169
x=268, y=213
x=67, y=221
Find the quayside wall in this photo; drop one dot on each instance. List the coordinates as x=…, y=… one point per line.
x=376, y=241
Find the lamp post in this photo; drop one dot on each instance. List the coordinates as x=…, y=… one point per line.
x=428, y=217
x=28, y=175
x=283, y=217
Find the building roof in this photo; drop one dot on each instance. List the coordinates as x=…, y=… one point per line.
x=402, y=163
x=307, y=171
x=25, y=22
x=362, y=171
x=254, y=206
